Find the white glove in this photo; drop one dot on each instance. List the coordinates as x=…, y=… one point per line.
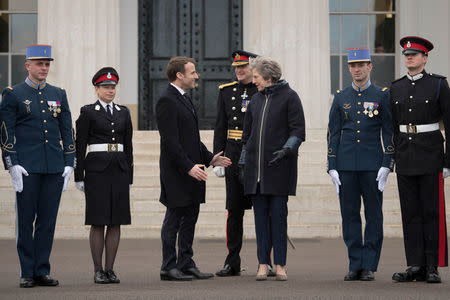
x=219, y=171
x=16, y=172
x=445, y=172
x=66, y=174
x=79, y=185
x=335, y=179
x=382, y=176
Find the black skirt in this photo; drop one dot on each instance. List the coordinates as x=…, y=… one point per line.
x=107, y=196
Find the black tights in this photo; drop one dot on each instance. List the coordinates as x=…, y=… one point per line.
x=98, y=240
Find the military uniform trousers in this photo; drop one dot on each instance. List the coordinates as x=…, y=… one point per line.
x=38, y=203
x=236, y=205
x=354, y=184
x=423, y=217
x=181, y=221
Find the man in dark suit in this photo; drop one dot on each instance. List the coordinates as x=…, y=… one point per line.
x=39, y=152
x=182, y=162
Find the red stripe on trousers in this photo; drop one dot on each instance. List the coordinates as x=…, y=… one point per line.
x=226, y=230
x=442, y=229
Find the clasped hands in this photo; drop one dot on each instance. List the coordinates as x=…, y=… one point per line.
x=218, y=160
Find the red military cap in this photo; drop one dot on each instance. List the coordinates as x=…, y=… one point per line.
x=106, y=76
x=241, y=57
x=415, y=44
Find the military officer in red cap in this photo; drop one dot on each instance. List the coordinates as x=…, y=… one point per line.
x=419, y=101
x=105, y=174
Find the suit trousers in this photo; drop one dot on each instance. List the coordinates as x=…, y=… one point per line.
x=179, y=221
x=275, y=207
x=234, y=233
x=423, y=217
x=354, y=184
x=37, y=204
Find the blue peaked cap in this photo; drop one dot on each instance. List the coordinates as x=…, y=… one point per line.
x=358, y=55
x=39, y=52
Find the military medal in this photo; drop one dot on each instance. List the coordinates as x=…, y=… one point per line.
x=27, y=103
x=375, y=112
x=370, y=114
x=245, y=102
x=244, y=109
x=366, y=112
x=58, y=110
x=55, y=114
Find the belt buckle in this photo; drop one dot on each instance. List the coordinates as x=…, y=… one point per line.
x=411, y=128
x=113, y=147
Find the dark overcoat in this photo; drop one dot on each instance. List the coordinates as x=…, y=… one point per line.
x=106, y=175
x=272, y=117
x=181, y=149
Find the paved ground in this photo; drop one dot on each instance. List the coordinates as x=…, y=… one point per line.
x=316, y=269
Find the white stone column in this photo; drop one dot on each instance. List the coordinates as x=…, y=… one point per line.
x=84, y=35
x=296, y=34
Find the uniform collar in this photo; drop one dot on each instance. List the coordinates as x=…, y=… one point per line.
x=363, y=87
x=248, y=85
x=415, y=77
x=103, y=103
x=35, y=85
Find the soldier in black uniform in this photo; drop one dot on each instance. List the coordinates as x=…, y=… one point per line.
x=231, y=106
x=106, y=173
x=419, y=101
x=39, y=152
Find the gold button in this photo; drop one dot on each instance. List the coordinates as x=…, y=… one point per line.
x=236, y=128
x=42, y=101
x=46, y=131
x=358, y=141
x=396, y=102
x=426, y=101
x=233, y=98
x=359, y=94
x=43, y=110
x=234, y=118
x=410, y=138
x=358, y=121
x=233, y=108
x=410, y=124
x=359, y=103
x=410, y=110
x=113, y=139
x=40, y=93
x=410, y=97
x=112, y=123
x=236, y=139
x=46, y=141
x=112, y=130
x=413, y=83
x=234, y=89
x=45, y=121
x=359, y=131
x=359, y=112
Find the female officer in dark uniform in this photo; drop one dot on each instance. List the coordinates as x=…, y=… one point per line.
x=106, y=173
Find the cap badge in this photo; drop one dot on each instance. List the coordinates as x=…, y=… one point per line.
x=408, y=45
x=109, y=75
x=237, y=56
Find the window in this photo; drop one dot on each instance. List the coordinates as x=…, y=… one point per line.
x=18, y=28
x=362, y=23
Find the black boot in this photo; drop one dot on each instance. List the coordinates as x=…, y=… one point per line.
x=416, y=273
x=432, y=275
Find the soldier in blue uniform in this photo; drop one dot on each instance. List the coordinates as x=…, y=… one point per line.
x=360, y=153
x=38, y=150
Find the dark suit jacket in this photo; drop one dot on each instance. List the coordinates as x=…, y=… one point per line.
x=94, y=126
x=181, y=149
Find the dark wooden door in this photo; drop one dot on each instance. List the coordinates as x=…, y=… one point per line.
x=207, y=30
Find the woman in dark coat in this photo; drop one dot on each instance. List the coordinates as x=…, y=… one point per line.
x=106, y=173
x=274, y=128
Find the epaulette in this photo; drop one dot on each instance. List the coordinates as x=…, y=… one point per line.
x=384, y=89
x=62, y=89
x=399, y=79
x=8, y=87
x=227, y=84
x=437, y=75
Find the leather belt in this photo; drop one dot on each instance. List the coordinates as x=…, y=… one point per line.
x=419, y=128
x=235, y=134
x=106, y=148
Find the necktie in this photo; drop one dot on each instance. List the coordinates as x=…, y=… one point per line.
x=188, y=99
x=108, y=110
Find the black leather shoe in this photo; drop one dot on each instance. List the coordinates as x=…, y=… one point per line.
x=227, y=271
x=432, y=275
x=416, y=273
x=27, y=282
x=352, y=275
x=45, y=280
x=197, y=274
x=101, y=277
x=270, y=271
x=174, y=274
x=112, y=277
x=367, y=275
